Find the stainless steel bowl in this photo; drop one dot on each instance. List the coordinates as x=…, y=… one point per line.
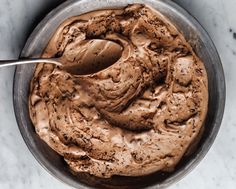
x=52, y=162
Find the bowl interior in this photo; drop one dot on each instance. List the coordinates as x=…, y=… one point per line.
x=55, y=164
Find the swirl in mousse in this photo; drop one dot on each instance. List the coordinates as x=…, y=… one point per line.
x=137, y=116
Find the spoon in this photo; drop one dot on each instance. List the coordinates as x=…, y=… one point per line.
x=92, y=56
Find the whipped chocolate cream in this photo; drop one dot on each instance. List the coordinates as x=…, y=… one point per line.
x=135, y=117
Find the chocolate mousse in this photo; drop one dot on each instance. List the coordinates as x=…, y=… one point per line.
x=135, y=117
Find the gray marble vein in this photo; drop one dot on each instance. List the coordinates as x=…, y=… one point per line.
x=20, y=170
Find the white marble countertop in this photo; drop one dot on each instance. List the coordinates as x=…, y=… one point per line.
x=20, y=170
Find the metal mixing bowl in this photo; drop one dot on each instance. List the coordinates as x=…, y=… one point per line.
x=54, y=163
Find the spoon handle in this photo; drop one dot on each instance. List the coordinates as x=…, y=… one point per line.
x=4, y=63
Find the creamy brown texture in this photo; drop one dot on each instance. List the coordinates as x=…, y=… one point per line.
x=139, y=115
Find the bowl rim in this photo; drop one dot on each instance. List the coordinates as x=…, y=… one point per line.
x=219, y=113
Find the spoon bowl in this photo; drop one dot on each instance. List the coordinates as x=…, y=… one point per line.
x=93, y=56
